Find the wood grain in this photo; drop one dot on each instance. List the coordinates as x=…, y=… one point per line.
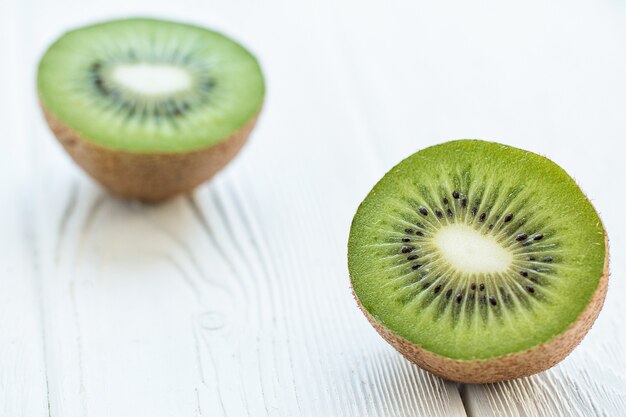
x=23, y=376
x=235, y=301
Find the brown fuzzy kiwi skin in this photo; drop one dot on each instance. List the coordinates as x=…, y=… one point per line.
x=149, y=177
x=501, y=368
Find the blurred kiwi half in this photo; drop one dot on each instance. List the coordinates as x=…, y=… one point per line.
x=150, y=108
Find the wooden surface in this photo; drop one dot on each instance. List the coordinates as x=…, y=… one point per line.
x=235, y=301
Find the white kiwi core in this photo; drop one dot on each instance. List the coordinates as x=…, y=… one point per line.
x=149, y=79
x=469, y=251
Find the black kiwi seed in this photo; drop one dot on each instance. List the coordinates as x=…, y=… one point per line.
x=538, y=236
x=406, y=249
x=481, y=287
x=473, y=286
x=464, y=202
x=459, y=297
x=474, y=211
x=490, y=226
x=412, y=257
x=438, y=213
x=423, y=211
x=210, y=83
x=409, y=231
x=530, y=289
x=406, y=239
x=449, y=213
x=445, y=201
x=492, y=300
x=482, y=217
x=532, y=258
x=426, y=285
x=101, y=86
x=523, y=273
x=521, y=236
x=448, y=293
x=437, y=288
x=416, y=267
x=508, y=217
x=455, y=195
x=547, y=259
x=419, y=233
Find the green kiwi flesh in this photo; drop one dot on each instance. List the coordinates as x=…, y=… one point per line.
x=150, y=86
x=473, y=250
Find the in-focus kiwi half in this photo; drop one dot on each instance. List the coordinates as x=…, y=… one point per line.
x=478, y=261
x=150, y=108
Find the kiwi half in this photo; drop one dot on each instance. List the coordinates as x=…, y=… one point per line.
x=479, y=262
x=150, y=108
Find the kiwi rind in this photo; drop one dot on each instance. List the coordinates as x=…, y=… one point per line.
x=537, y=355
x=148, y=177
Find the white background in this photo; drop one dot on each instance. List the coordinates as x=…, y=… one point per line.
x=235, y=301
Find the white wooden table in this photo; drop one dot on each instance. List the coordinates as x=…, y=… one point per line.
x=235, y=301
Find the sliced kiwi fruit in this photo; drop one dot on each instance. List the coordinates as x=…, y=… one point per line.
x=479, y=262
x=150, y=108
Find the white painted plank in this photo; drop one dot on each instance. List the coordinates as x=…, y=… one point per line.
x=234, y=301
x=22, y=365
x=544, y=76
